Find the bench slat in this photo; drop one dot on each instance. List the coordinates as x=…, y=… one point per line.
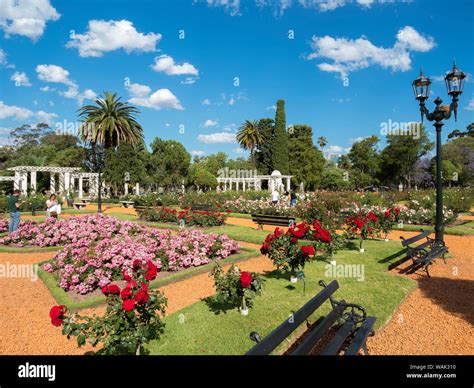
x=278, y=335
x=317, y=333
x=433, y=254
x=339, y=339
x=413, y=250
x=411, y=240
x=359, y=339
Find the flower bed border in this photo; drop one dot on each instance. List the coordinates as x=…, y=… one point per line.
x=62, y=297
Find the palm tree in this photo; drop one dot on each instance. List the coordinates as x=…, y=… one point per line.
x=322, y=141
x=107, y=124
x=249, y=137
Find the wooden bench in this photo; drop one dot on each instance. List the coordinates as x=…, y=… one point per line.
x=127, y=204
x=265, y=219
x=201, y=207
x=79, y=205
x=87, y=201
x=422, y=254
x=350, y=320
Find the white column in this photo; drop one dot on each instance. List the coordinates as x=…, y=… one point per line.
x=137, y=188
x=125, y=188
x=24, y=182
x=288, y=187
x=67, y=182
x=52, y=183
x=243, y=184
x=16, y=182
x=61, y=182
x=80, y=186
x=33, y=180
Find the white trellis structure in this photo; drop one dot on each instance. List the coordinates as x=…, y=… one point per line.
x=66, y=177
x=275, y=181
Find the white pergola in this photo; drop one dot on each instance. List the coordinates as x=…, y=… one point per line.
x=66, y=178
x=275, y=181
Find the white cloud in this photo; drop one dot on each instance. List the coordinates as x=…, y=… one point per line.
x=20, y=79
x=231, y=6
x=5, y=131
x=165, y=64
x=104, y=36
x=210, y=123
x=239, y=150
x=271, y=107
x=206, y=102
x=3, y=57
x=19, y=113
x=470, y=106
x=198, y=153
x=26, y=17
x=55, y=74
x=352, y=55
x=188, y=81
x=278, y=6
x=218, y=137
x=229, y=127
x=161, y=99
x=45, y=117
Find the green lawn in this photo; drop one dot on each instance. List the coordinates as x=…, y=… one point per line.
x=466, y=229
x=197, y=329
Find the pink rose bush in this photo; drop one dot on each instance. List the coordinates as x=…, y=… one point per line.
x=98, y=249
x=3, y=225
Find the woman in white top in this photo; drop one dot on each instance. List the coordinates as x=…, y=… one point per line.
x=52, y=206
x=275, y=196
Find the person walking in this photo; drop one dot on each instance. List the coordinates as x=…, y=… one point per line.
x=275, y=196
x=293, y=198
x=14, y=208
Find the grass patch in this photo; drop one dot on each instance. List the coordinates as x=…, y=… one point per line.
x=205, y=332
x=9, y=249
x=52, y=282
x=240, y=233
x=466, y=229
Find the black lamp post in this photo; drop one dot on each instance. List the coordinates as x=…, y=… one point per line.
x=454, y=85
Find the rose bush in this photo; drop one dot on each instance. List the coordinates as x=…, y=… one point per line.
x=235, y=287
x=132, y=317
x=363, y=226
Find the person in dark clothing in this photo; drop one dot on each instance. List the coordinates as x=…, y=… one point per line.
x=14, y=209
x=293, y=198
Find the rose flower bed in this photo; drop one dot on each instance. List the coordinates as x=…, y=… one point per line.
x=99, y=249
x=187, y=216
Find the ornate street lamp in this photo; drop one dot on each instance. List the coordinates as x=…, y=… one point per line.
x=421, y=87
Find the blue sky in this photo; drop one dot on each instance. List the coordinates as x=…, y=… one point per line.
x=198, y=69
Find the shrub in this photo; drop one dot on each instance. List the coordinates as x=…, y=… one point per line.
x=235, y=287
x=132, y=317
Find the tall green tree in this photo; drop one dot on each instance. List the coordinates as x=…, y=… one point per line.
x=460, y=152
x=263, y=154
x=249, y=137
x=169, y=163
x=107, y=124
x=364, y=159
x=280, y=159
x=401, y=154
x=306, y=161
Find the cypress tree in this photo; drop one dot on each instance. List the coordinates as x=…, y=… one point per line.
x=280, y=141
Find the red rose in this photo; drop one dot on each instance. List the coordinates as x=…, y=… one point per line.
x=128, y=305
x=278, y=232
x=126, y=294
x=152, y=271
x=264, y=248
x=245, y=279
x=105, y=290
x=142, y=296
x=144, y=286
x=308, y=250
x=387, y=214
x=113, y=289
x=126, y=276
x=132, y=284
x=57, y=311
x=136, y=263
x=294, y=240
x=56, y=314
